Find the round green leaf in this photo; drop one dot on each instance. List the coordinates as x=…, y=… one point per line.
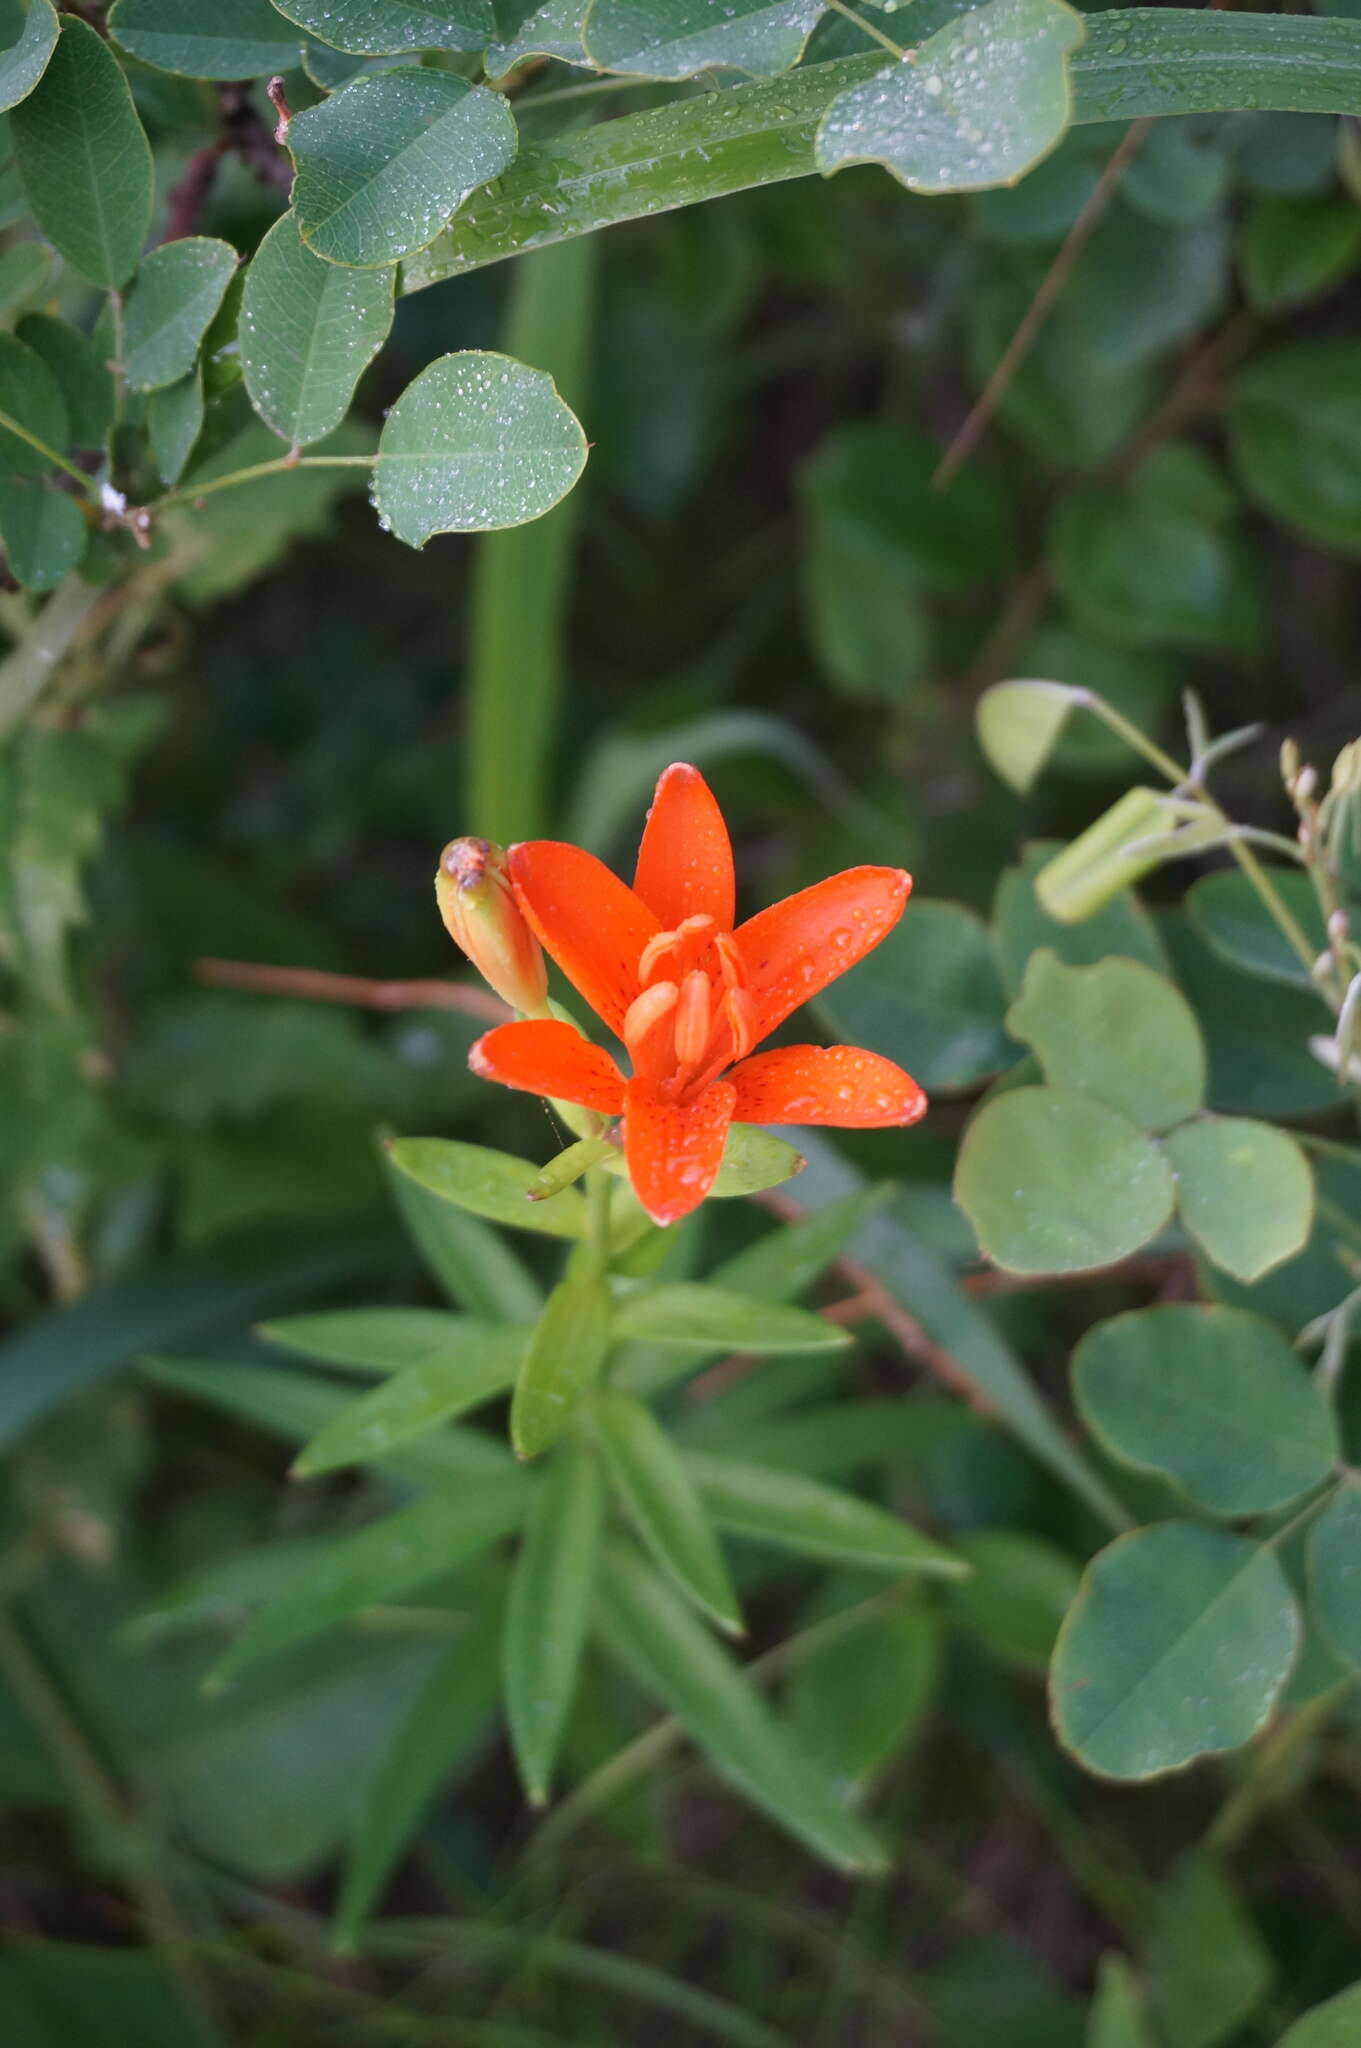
x=1295, y=432
x=1054, y=1182
x=930, y=996
x=1115, y=1031
x=1245, y=1191
x=381, y=28
x=205, y=38
x=82, y=376
x=676, y=38
x=1213, y=1399
x=1177, y=1647
x=385, y=162
x=84, y=159
x=1019, y=724
x=1232, y=918
x=171, y=306
x=43, y=533
x=477, y=442
x=987, y=97
x=1335, y=1573
x=24, y=62
x=309, y=330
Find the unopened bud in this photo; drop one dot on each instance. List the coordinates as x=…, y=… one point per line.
x=1306, y=782
x=1290, y=762
x=477, y=903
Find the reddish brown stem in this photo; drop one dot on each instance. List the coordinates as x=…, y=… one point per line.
x=315, y=985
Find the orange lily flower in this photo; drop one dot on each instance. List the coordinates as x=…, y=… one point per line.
x=662, y=966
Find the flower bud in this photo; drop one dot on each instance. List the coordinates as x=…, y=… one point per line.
x=477, y=903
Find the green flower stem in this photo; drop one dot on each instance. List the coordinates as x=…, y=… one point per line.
x=876, y=35
x=1247, y=860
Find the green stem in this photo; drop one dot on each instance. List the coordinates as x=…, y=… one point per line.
x=189, y=494
x=876, y=35
x=1247, y=860
x=34, y=441
x=27, y=667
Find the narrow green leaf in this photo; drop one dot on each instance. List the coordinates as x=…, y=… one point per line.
x=1021, y=1588
x=1335, y=2024
x=42, y=530
x=1177, y=1647
x=665, y=1503
x=382, y=1562
x=84, y=159
x=384, y=162
x=176, y=1301
x=692, y=1313
x=1335, y=1573
x=419, y=1398
x=676, y=38
x=228, y=39
x=381, y=28
x=1054, y=1182
x=563, y=1362
x=1209, y=1966
x=1245, y=1191
x=490, y=1184
x=653, y=1633
x=1135, y=62
x=819, y=1521
x=370, y=1339
x=24, y=62
x=309, y=330
x=174, y=418
x=83, y=379
x=448, y=1719
x=855, y=1704
x=171, y=306
x=551, y=1591
x=474, y=1265
x=986, y=98
x=477, y=442
x=1115, y=1031
x=1213, y=1399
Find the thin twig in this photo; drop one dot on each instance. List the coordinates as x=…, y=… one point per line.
x=1041, y=306
x=315, y=985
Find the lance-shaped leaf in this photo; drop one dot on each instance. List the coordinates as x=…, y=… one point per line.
x=490, y=1184
x=548, y=1611
x=436, y=1389
x=665, y=1504
x=171, y=306
x=690, y=1313
x=676, y=38
x=803, y=1515
x=1176, y=1647
x=1213, y=1399
x=452, y=1712
x=383, y=163
x=84, y=158
x=381, y=28
x=985, y=98
x=652, y=1632
x=380, y=1563
x=23, y=63
x=309, y=330
x=369, y=1340
x=477, y=442
x=223, y=39
x=472, y=1264
x=563, y=1362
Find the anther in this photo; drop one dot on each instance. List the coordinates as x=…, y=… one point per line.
x=740, y=1010
x=692, y=1019
x=730, y=962
x=648, y=1010
x=654, y=953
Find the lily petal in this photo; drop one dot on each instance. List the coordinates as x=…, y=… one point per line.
x=817, y=1084
x=796, y=947
x=674, y=1151
x=546, y=1057
x=685, y=861
x=586, y=919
